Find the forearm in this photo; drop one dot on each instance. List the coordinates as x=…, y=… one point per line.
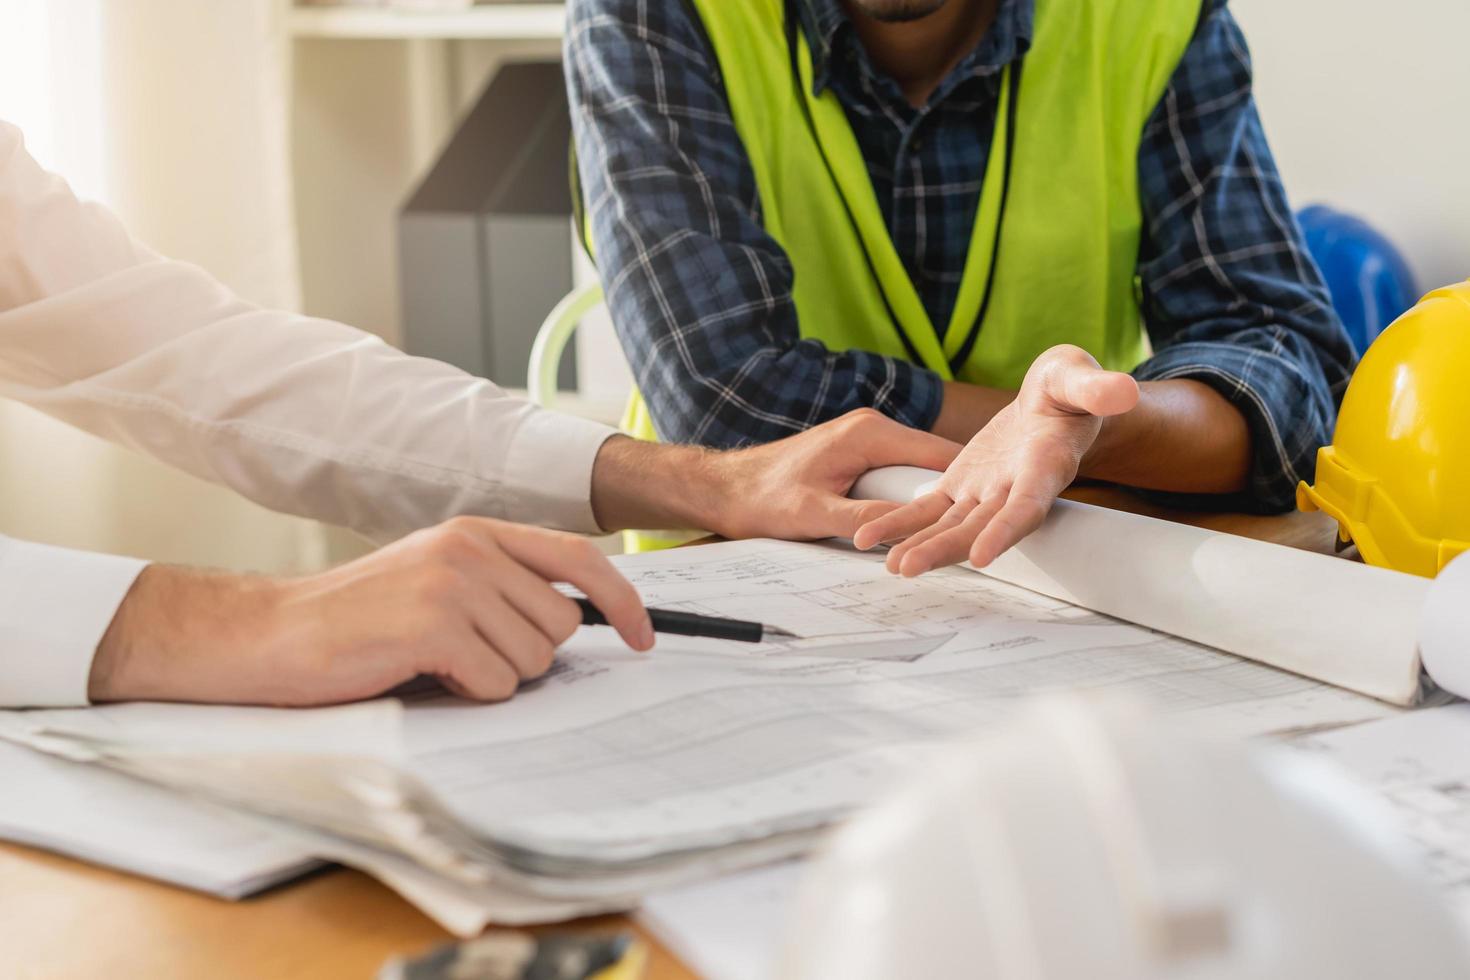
x=1183, y=437
x=967, y=409
x=299, y=414
x=1229, y=292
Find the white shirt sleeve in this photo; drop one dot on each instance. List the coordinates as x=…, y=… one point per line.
x=55, y=605
x=303, y=415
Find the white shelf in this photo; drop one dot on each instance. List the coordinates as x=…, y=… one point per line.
x=494, y=22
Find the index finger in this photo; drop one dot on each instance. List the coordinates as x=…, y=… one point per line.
x=903, y=522
x=576, y=561
x=1022, y=514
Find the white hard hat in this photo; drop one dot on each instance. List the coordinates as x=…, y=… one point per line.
x=1088, y=841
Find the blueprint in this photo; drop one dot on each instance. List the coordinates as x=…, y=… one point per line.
x=1418, y=766
x=618, y=757
x=622, y=774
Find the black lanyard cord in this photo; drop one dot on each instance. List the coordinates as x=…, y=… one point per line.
x=956, y=362
x=963, y=354
x=793, y=43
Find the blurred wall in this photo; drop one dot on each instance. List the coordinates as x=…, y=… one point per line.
x=368, y=118
x=1367, y=105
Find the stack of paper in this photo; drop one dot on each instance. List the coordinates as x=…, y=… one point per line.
x=621, y=774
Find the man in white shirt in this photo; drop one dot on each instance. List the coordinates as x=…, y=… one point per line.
x=318, y=419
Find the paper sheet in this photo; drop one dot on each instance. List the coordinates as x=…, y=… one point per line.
x=1419, y=765
x=367, y=730
x=618, y=756
x=731, y=928
x=90, y=813
x=1338, y=621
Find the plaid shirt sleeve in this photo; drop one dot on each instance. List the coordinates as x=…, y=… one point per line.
x=700, y=294
x=1230, y=295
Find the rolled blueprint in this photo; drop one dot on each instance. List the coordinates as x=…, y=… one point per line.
x=1336, y=621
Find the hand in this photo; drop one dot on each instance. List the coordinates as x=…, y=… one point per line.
x=468, y=602
x=1005, y=481
x=797, y=488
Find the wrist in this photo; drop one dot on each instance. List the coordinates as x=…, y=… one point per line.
x=1107, y=456
x=713, y=491
x=967, y=409
x=115, y=664
x=181, y=635
x=650, y=486
x=1182, y=437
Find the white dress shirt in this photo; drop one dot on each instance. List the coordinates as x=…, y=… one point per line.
x=305, y=416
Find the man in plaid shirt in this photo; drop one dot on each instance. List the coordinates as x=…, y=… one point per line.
x=1229, y=397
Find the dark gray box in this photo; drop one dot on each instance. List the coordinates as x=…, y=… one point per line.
x=484, y=243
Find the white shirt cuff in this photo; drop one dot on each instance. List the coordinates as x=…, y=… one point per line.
x=55, y=606
x=549, y=469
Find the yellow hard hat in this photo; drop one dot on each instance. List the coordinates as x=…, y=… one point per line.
x=1397, y=475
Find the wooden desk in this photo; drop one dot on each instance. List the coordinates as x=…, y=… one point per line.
x=64, y=920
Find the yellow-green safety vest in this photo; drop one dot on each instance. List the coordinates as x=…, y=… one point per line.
x=1054, y=252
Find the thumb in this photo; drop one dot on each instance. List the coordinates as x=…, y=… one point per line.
x=1088, y=389
x=894, y=444
x=840, y=517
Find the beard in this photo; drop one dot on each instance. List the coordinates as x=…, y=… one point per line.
x=898, y=11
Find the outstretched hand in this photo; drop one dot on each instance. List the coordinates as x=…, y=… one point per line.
x=1003, y=484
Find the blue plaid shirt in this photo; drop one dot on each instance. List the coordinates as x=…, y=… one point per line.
x=701, y=295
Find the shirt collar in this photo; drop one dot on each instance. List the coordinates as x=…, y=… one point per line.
x=828, y=31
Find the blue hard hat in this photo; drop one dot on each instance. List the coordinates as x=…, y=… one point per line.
x=1370, y=283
